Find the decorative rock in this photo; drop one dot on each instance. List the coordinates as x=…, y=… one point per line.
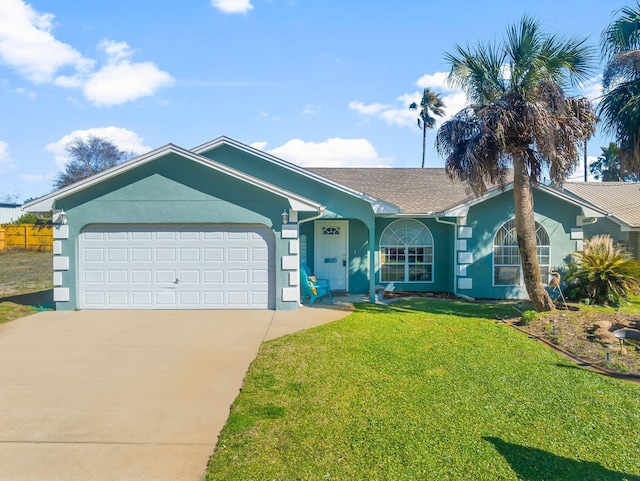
x=602, y=334
x=606, y=325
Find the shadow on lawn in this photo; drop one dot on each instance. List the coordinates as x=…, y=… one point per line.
x=451, y=307
x=43, y=299
x=532, y=464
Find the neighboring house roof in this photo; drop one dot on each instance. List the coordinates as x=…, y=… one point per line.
x=45, y=203
x=620, y=200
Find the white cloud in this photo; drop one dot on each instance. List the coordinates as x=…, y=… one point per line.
x=26, y=43
x=232, y=6
x=30, y=94
x=436, y=81
x=5, y=160
x=333, y=152
x=258, y=145
x=310, y=109
x=28, y=46
x=454, y=100
x=120, y=80
x=124, y=139
x=592, y=89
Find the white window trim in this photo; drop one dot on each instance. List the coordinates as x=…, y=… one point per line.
x=493, y=259
x=406, y=265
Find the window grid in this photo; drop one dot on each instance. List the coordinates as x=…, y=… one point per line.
x=507, y=263
x=406, y=252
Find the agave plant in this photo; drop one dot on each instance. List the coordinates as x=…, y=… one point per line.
x=604, y=272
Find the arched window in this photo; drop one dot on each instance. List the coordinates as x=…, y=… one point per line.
x=507, y=264
x=406, y=252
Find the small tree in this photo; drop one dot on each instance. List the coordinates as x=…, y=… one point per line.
x=603, y=271
x=88, y=157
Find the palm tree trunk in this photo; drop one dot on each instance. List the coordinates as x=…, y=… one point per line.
x=526, y=232
x=424, y=141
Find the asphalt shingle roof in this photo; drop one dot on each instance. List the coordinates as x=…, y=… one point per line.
x=415, y=191
x=620, y=199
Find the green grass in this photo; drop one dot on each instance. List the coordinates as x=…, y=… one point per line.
x=426, y=390
x=23, y=272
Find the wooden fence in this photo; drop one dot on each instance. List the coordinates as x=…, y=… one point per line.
x=26, y=237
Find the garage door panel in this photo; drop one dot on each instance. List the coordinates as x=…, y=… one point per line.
x=237, y=254
x=118, y=276
x=141, y=276
x=237, y=276
x=139, y=254
x=142, y=298
x=94, y=299
x=117, y=255
x=176, y=267
x=237, y=298
x=189, y=255
x=93, y=276
x=118, y=298
x=165, y=254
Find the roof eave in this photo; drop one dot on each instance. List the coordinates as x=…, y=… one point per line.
x=47, y=202
x=379, y=206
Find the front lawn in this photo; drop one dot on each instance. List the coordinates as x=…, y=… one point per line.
x=25, y=276
x=426, y=390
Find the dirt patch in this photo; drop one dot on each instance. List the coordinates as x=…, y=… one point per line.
x=22, y=272
x=589, y=336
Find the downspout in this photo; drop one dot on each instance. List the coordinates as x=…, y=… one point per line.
x=322, y=209
x=455, y=258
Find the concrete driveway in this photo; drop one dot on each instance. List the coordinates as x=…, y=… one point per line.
x=126, y=395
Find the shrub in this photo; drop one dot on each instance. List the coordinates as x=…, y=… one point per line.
x=603, y=272
x=30, y=218
x=528, y=317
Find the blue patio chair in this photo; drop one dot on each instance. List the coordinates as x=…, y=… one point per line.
x=313, y=288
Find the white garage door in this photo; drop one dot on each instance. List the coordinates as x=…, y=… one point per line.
x=175, y=267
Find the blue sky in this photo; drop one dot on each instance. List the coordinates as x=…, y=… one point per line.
x=316, y=82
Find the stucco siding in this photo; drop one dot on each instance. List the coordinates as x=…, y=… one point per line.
x=171, y=190
x=442, y=258
x=338, y=204
x=557, y=217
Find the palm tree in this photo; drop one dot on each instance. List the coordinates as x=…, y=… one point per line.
x=431, y=103
x=620, y=106
x=608, y=169
x=519, y=117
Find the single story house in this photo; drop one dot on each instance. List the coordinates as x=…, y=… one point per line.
x=621, y=203
x=224, y=225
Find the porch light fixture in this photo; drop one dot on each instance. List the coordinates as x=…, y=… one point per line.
x=60, y=217
x=285, y=216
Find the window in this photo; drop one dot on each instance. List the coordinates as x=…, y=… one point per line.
x=507, y=264
x=406, y=252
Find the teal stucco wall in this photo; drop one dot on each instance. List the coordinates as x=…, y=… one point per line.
x=173, y=190
x=556, y=216
x=442, y=257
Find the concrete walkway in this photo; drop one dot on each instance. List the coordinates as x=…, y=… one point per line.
x=127, y=395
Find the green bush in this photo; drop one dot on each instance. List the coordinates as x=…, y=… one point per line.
x=32, y=219
x=603, y=272
x=528, y=317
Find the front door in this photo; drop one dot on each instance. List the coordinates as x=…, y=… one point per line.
x=332, y=253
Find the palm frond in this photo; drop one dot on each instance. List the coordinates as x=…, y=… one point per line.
x=622, y=34
x=623, y=67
